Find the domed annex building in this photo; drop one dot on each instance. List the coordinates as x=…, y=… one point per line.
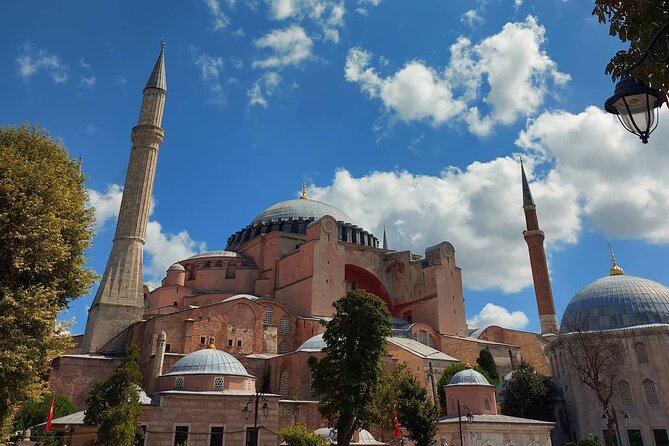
x=632, y=314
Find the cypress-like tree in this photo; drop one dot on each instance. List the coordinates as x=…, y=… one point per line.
x=113, y=404
x=529, y=394
x=487, y=363
x=416, y=412
x=347, y=378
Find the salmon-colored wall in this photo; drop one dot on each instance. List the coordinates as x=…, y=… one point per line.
x=473, y=396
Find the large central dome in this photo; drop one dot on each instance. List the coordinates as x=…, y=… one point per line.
x=300, y=208
x=617, y=301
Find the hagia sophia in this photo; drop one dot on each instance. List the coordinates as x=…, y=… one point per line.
x=233, y=326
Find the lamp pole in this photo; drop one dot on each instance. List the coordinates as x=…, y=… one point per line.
x=470, y=418
x=610, y=414
x=635, y=103
x=253, y=441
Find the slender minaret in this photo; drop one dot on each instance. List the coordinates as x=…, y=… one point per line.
x=385, y=239
x=119, y=300
x=535, y=243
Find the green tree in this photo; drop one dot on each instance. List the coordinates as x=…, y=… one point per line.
x=636, y=22
x=487, y=363
x=113, y=404
x=34, y=412
x=301, y=435
x=529, y=394
x=45, y=228
x=446, y=376
x=346, y=379
x=588, y=441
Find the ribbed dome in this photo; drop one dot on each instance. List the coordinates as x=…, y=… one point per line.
x=176, y=267
x=313, y=344
x=617, y=301
x=468, y=376
x=208, y=361
x=301, y=208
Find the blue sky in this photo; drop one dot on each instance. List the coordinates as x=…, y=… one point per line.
x=409, y=114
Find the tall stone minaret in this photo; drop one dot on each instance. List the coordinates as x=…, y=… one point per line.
x=535, y=243
x=119, y=300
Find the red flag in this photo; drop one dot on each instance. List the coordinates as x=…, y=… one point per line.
x=396, y=424
x=50, y=418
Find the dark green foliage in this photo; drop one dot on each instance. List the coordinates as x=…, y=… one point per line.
x=113, y=404
x=34, y=412
x=45, y=229
x=487, y=363
x=636, y=21
x=347, y=378
x=446, y=379
x=529, y=394
x=588, y=441
x=301, y=435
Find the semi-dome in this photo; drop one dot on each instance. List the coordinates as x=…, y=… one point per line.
x=208, y=361
x=617, y=301
x=468, y=376
x=301, y=208
x=313, y=344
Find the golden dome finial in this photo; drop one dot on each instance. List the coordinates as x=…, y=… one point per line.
x=211, y=346
x=468, y=365
x=615, y=269
x=304, y=195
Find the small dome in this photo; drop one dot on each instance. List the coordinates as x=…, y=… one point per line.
x=617, y=301
x=209, y=254
x=208, y=361
x=300, y=208
x=313, y=344
x=468, y=376
x=240, y=296
x=176, y=267
x=331, y=436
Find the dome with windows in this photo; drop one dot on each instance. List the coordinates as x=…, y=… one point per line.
x=301, y=208
x=468, y=376
x=617, y=301
x=208, y=361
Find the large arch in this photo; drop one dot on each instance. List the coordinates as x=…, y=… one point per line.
x=367, y=281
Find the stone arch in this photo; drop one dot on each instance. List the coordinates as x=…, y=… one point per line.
x=367, y=281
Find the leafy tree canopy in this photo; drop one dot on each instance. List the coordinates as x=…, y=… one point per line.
x=34, y=412
x=346, y=379
x=446, y=379
x=636, y=22
x=529, y=394
x=301, y=435
x=487, y=363
x=45, y=228
x=113, y=404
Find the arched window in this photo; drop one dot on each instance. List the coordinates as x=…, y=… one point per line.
x=269, y=316
x=486, y=403
x=179, y=383
x=422, y=337
x=625, y=392
x=283, y=383
x=285, y=326
x=650, y=392
x=453, y=404
x=283, y=347
x=218, y=383
x=641, y=353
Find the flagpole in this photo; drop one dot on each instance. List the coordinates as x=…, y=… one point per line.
x=50, y=417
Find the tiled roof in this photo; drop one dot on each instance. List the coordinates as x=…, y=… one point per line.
x=421, y=350
x=505, y=419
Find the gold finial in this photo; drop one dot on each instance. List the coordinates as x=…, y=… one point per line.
x=304, y=195
x=615, y=269
x=468, y=365
x=212, y=346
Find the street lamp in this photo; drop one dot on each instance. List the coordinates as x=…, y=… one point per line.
x=256, y=399
x=610, y=414
x=634, y=103
x=470, y=419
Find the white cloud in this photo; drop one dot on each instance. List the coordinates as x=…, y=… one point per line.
x=492, y=314
x=219, y=19
x=256, y=96
x=290, y=46
x=210, y=70
x=517, y=4
x=88, y=81
x=477, y=209
x=32, y=60
x=472, y=18
x=162, y=248
x=512, y=63
x=263, y=88
x=121, y=80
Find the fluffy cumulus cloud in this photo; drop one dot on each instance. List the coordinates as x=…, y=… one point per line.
x=492, y=314
x=289, y=46
x=478, y=209
x=162, y=248
x=622, y=184
x=472, y=18
x=328, y=15
x=497, y=81
x=32, y=61
x=218, y=18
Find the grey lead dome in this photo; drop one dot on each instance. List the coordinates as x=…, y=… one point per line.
x=208, y=361
x=617, y=301
x=301, y=208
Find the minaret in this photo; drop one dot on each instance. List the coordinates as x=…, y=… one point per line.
x=385, y=239
x=535, y=243
x=119, y=300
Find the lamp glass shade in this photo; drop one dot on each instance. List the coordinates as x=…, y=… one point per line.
x=637, y=107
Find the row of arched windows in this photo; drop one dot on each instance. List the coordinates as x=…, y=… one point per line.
x=648, y=388
x=284, y=323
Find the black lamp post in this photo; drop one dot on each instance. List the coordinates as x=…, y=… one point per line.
x=635, y=103
x=470, y=419
x=610, y=414
x=253, y=441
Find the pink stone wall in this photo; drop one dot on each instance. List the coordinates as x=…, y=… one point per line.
x=73, y=376
x=473, y=396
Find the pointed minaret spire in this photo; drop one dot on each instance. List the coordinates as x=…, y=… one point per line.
x=535, y=244
x=615, y=269
x=303, y=195
x=385, y=239
x=119, y=300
